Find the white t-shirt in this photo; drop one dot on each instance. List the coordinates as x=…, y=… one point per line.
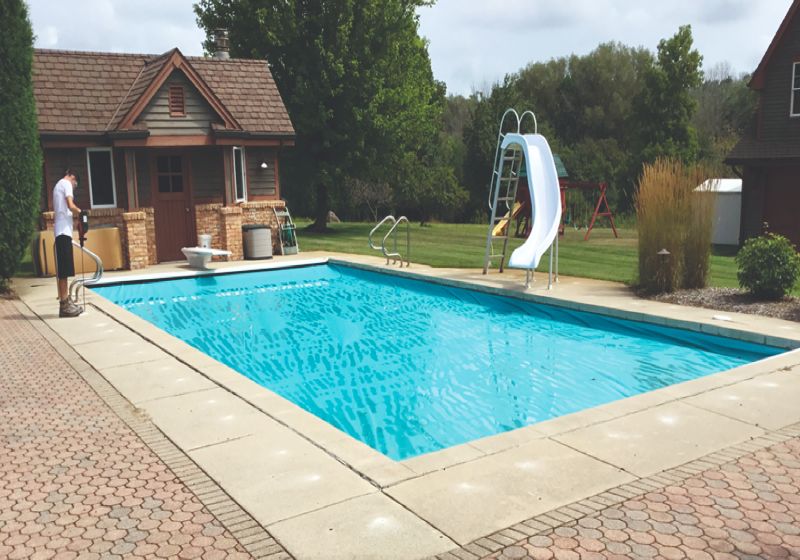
x=63, y=218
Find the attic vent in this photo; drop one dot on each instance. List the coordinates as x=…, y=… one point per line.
x=177, y=104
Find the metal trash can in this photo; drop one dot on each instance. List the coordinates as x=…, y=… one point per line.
x=257, y=240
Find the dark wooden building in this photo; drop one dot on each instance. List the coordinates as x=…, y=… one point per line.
x=168, y=146
x=768, y=154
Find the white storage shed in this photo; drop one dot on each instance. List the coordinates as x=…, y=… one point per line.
x=728, y=209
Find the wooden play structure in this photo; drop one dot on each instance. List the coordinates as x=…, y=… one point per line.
x=601, y=209
x=520, y=212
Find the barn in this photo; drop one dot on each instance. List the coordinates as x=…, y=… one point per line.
x=767, y=157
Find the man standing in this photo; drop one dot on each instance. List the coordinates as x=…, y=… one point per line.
x=64, y=208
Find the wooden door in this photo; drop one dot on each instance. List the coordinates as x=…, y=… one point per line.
x=174, y=218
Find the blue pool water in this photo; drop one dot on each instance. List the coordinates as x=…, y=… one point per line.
x=408, y=366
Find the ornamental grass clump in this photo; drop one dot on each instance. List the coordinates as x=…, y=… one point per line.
x=674, y=224
x=769, y=266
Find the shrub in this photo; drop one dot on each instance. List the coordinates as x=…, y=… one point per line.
x=671, y=216
x=699, y=230
x=769, y=266
x=20, y=154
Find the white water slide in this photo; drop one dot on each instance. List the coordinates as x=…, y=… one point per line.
x=545, y=198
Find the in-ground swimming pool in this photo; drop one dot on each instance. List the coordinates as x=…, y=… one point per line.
x=409, y=366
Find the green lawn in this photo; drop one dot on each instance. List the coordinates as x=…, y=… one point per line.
x=462, y=245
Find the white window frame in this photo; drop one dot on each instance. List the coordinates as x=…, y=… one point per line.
x=113, y=177
x=236, y=197
x=794, y=91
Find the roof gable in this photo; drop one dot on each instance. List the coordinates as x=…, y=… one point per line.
x=153, y=79
x=757, y=81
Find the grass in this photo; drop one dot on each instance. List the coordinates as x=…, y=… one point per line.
x=462, y=246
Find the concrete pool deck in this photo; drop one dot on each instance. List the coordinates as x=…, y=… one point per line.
x=297, y=476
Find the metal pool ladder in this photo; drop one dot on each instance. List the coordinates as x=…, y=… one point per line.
x=394, y=255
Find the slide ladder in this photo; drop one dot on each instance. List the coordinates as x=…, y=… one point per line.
x=545, y=193
x=503, y=188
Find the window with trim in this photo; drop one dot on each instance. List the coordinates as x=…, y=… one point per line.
x=169, y=173
x=794, y=110
x=177, y=102
x=239, y=174
x=102, y=188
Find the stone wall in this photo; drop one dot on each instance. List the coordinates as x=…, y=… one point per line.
x=231, y=231
x=261, y=212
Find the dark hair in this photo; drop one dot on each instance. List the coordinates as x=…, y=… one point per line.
x=70, y=171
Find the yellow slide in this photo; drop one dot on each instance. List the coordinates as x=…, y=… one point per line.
x=501, y=225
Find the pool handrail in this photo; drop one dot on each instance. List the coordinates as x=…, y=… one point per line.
x=79, y=283
x=395, y=254
x=376, y=228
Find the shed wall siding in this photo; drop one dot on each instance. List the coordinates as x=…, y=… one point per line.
x=752, y=202
x=143, y=178
x=776, y=124
x=199, y=114
x=260, y=182
x=208, y=179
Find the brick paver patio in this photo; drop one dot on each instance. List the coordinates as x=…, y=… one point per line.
x=75, y=481
x=749, y=508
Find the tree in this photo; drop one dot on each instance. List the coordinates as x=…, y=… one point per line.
x=355, y=76
x=20, y=153
x=372, y=195
x=666, y=105
x=725, y=107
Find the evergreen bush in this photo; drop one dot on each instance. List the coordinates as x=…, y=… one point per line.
x=20, y=153
x=769, y=266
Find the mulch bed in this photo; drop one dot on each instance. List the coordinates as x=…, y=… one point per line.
x=732, y=299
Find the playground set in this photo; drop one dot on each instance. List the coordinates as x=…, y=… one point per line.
x=528, y=189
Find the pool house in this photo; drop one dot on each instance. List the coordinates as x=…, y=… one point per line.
x=167, y=147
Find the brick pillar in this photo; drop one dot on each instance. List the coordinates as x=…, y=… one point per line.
x=230, y=218
x=150, y=225
x=135, y=247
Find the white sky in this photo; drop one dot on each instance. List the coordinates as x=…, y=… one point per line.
x=473, y=43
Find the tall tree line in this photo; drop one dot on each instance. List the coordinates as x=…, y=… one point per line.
x=608, y=112
x=376, y=132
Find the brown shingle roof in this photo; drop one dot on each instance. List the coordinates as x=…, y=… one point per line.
x=85, y=92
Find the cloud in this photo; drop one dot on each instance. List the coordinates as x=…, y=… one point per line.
x=147, y=26
x=472, y=42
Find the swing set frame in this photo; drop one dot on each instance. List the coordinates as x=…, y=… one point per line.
x=601, y=209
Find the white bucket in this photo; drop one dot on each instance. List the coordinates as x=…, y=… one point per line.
x=204, y=240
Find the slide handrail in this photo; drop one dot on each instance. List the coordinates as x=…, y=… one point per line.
x=79, y=283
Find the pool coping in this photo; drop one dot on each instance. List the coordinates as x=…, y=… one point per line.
x=385, y=473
